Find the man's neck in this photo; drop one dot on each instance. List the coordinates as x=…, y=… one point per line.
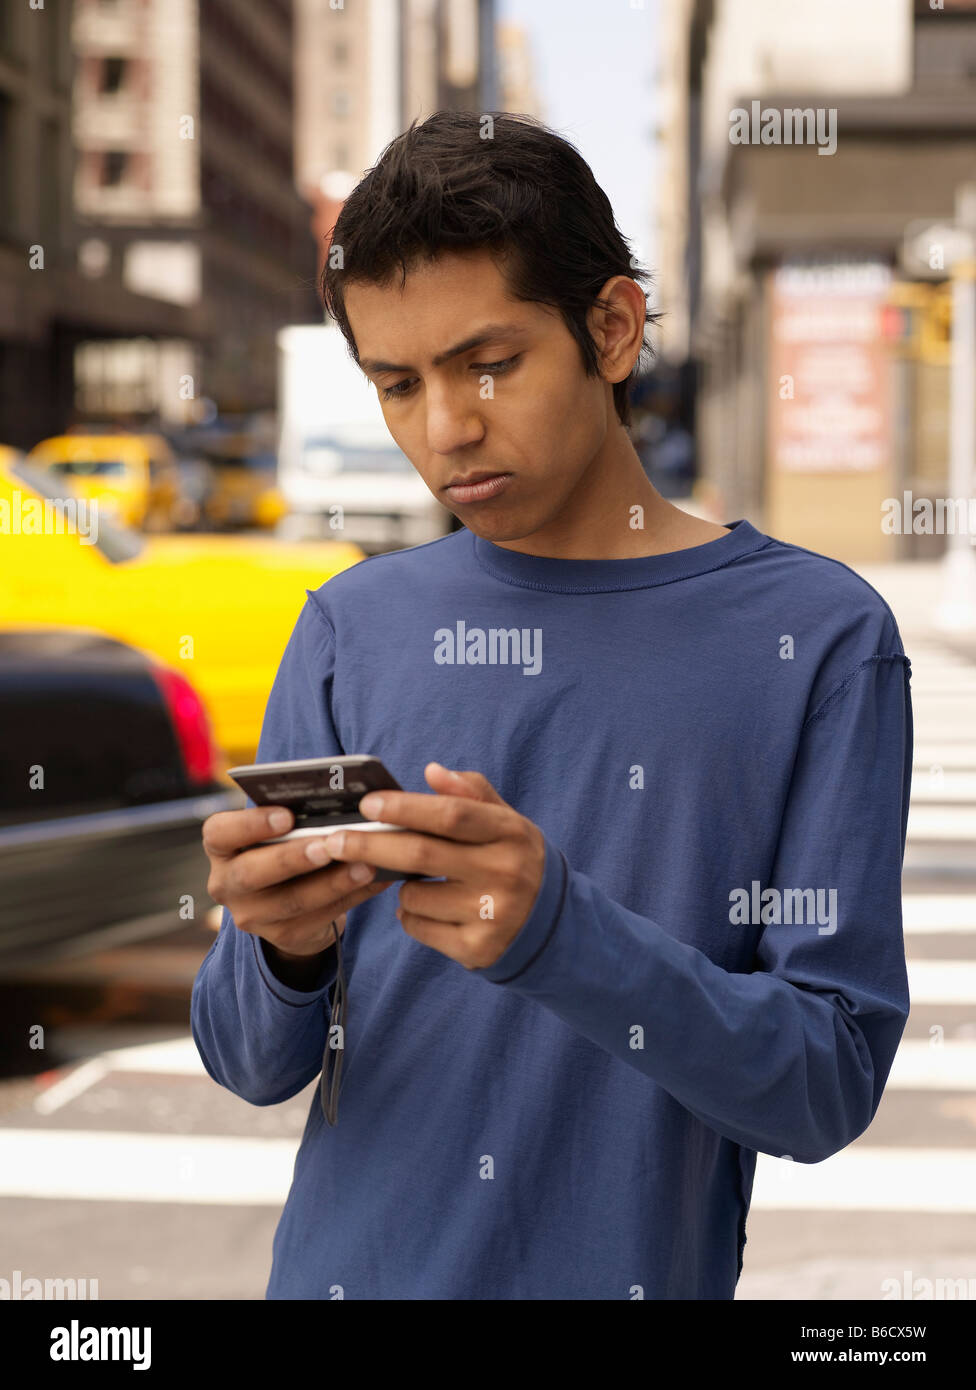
x=616, y=513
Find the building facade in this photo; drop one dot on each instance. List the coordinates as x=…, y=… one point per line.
x=809, y=146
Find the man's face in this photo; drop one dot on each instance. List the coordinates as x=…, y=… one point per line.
x=517, y=404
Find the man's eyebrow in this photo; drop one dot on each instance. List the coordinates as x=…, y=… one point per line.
x=487, y=334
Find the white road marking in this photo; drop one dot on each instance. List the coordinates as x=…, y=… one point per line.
x=933, y=1065
x=869, y=1179
x=931, y=753
x=175, y=1056
x=941, y=823
x=222, y=1171
x=71, y=1086
x=942, y=981
x=124, y=1167
x=945, y=786
x=924, y=913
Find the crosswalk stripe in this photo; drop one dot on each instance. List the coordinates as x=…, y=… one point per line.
x=929, y=913
x=934, y=1065
x=176, y=1056
x=862, y=1178
x=125, y=1167
x=941, y=822
x=942, y=981
x=172, y=1057
x=931, y=753
x=160, y=1168
x=69, y=1087
x=944, y=786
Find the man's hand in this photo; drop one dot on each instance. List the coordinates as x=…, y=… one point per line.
x=491, y=856
x=281, y=892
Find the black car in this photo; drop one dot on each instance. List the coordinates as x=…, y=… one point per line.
x=107, y=770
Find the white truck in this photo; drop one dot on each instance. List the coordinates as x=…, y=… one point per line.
x=339, y=469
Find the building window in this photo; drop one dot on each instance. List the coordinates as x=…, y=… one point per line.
x=115, y=165
x=340, y=103
x=113, y=75
x=340, y=52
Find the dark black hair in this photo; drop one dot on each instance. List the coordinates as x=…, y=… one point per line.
x=466, y=180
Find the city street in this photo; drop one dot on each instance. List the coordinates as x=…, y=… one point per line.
x=287, y=284
x=121, y=1160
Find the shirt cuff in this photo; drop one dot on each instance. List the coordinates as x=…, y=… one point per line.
x=287, y=995
x=534, y=934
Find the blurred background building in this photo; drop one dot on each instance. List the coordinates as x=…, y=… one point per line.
x=174, y=240
x=826, y=273
x=365, y=71
x=191, y=154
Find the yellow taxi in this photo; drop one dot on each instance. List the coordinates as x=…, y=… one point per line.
x=244, y=492
x=10, y=456
x=134, y=477
x=220, y=609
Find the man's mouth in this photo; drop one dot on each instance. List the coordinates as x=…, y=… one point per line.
x=477, y=487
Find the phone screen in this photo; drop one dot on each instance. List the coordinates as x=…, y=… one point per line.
x=322, y=793
x=319, y=791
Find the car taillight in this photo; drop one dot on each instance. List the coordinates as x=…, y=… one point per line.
x=190, y=723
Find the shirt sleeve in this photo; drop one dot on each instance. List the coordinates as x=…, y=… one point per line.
x=258, y=1037
x=792, y=1058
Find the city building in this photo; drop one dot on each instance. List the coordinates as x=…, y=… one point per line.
x=147, y=147
x=817, y=171
x=364, y=71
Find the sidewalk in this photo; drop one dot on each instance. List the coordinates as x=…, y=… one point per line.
x=914, y=591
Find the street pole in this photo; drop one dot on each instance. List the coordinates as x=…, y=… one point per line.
x=957, y=610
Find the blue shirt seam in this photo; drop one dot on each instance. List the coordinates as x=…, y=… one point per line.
x=763, y=544
x=844, y=685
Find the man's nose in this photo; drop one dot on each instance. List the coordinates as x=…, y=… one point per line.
x=454, y=420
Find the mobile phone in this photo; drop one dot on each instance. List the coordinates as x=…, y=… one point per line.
x=323, y=794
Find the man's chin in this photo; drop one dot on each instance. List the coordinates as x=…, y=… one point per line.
x=498, y=529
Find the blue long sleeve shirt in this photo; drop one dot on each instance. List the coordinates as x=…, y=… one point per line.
x=716, y=745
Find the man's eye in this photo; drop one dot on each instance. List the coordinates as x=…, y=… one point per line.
x=495, y=367
x=401, y=388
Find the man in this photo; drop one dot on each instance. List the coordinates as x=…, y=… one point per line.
x=670, y=765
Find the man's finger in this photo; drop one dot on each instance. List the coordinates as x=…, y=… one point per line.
x=445, y=939
x=268, y=866
x=462, y=783
x=292, y=915
x=227, y=832
x=401, y=850
x=454, y=817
